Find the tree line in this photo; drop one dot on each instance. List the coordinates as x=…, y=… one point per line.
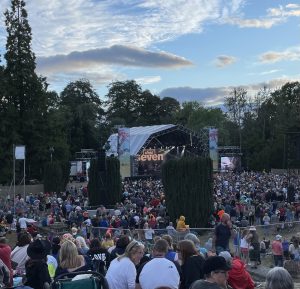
x=76, y=118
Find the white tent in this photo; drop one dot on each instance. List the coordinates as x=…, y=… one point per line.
x=138, y=137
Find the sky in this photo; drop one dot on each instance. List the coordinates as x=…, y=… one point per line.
x=192, y=50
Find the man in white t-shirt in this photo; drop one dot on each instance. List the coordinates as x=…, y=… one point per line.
x=23, y=222
x=158, y=272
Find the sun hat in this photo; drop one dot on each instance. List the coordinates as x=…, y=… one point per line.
x=215, y=263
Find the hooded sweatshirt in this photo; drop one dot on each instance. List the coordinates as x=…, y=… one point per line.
x=238, y=277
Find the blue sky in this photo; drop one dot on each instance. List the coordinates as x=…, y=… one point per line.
x=188, y=49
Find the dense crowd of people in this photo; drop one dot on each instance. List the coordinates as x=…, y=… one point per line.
x=133, y=240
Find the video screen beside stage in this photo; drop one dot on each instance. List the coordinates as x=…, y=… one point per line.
x=232, y=163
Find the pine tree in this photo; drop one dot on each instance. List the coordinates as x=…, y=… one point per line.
x=26, y=99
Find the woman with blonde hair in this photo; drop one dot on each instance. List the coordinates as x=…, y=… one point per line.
x=81, y=245
x=70, y=260
x=121, y=273
x=191, y=263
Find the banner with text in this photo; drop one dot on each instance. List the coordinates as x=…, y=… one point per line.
x=124, y=151
x=213, y=147
x=149, y=162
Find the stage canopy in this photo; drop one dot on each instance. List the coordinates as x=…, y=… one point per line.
x=168, y=135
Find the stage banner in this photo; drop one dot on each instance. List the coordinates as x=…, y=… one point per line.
x=150, y=161
x=213, y=147
x=124, y=151
x=20, y=152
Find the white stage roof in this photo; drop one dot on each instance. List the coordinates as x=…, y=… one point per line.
x=138, y=136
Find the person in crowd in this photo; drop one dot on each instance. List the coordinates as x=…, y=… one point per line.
x=277, y=251
x=36, y=267
x=81, y=245
x=107, y=241
x=99, y=256
x=4, y=275
x=192, y=237
x=148, y=233
x=285, y=248
x=294, y=250
x=223, y=232
x=191, y=263
x=215, y=269
x=254, y=248
x=238, y=276
x=19, y=254
x=5, y=252
x=148, y=277
x=171, y=254
x=121, y=273
x=279, y=278
x=181, y=226
x=55, y=247
x=120, y=248
x=208, y=245
x=266, y=222
x=70, y=260
x=244, y=246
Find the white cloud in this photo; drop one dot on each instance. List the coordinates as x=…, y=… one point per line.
x=269, y=72
x=224, y=60
x=115, y=55
x=148, y=80
x=61, y=27
x=255, y=23
x=290, y=54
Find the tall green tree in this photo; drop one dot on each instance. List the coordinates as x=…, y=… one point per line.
x=124, y=97
x=83, y=114
x=237, y=105
x=25, y=100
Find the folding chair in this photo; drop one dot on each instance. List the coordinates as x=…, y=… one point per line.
x=94, y=281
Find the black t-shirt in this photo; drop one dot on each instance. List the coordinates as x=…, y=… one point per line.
x=223, y=235
x=100, y=259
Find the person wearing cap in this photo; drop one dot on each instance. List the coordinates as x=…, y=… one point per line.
x=254, y=249
x=36, y=267
x=168, y=276
x=215, y=270
x=238, y=277
x=277, y=251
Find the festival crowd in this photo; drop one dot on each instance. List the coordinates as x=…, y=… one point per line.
x=135, y=244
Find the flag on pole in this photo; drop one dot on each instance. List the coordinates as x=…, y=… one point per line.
x=20, y=153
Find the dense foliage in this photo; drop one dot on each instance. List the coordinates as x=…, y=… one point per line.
x=104, y=186
x=188, y=182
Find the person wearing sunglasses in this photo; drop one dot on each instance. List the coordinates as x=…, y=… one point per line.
x=215, y=270
x=121, y=273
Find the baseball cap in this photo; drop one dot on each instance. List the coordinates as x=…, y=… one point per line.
x=226, y=255
x=278, y=237
x=215, y=263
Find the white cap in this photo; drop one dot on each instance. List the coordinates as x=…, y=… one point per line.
x=226, y=255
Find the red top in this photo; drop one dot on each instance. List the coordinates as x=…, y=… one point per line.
x=238, y=276
x=5, y=251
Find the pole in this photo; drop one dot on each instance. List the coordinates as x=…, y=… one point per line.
x=14, y=177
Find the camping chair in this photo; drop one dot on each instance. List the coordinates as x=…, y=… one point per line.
x=94, y=281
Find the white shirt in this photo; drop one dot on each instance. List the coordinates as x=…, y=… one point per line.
x=159, y=272
x=22, y=222
x=121, y=274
